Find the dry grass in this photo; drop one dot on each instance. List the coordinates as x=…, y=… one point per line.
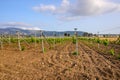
x=109, y=38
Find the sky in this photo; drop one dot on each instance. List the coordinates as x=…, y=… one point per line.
x=92, y=16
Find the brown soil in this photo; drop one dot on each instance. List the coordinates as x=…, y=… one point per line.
x=58, y=64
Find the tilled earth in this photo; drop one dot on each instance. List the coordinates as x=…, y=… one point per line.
x=57, y=64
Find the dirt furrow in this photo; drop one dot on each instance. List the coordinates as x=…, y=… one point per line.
x=100, y=65
x=57, y=64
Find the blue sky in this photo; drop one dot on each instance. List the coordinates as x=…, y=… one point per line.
x=62, y=15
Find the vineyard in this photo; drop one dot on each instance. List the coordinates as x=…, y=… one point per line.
x=59, y=58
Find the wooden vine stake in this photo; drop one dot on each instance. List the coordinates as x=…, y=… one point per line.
x=54, y=35
x=60, y=38
x=1, y=43
x=35, y=39
x=76, y=40
x=9, y=39
x=98, y=43
x=43, y=49
x=18, y=35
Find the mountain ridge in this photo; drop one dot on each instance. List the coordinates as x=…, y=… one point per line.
x=12, y=30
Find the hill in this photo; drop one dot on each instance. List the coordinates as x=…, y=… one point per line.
x=32, y=32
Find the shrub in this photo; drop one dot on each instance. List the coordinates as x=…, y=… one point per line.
x=22, y=48
x=45, y=50
x=112, y=52
x=75, y=53
x=98, y=40
x=32, y=39
x=37, y=40
x=73, y=40
x=13, y=40
x=118, y=56
x=105, y=42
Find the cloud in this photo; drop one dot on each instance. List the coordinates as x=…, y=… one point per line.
x=19, y=25
x=93, y=7
x=14, y=24
x=68, y=18
x=53, y=9
x=79, y=8
x=42, y=8
x=30, y=28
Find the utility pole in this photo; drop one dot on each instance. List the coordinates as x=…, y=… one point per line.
x=76, y=40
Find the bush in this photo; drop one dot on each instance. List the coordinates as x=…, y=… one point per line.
x=13, y=40
x=106, y=42
x=38, y=40
x=73, y=40
x=118, y=56
x=98, y=40
x=75, y=53
x=22, y=48
x=45, y=50
x=32, y=39
x=112, y=52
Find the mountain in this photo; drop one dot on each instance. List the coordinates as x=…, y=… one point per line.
x=11, y=30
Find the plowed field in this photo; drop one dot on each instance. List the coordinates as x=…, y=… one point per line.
x=57, y=64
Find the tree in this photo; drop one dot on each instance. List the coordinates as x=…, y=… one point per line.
x=85, y=34
x=68, y=35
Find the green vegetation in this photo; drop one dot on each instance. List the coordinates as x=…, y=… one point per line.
x=118, y=56
x=51, y=42
x=22, y=48
x=32, y=39
x=73, y=40
x=118, y=41
x=105, y=42
x=45, y=50
x=112, y=52
x=106, y=46
x=13, y=40
x=75, y=53
x=98, y=40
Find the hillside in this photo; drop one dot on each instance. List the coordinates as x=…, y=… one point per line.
x=31, y=32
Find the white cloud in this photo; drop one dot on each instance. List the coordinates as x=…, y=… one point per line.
x=42, y=7
x=68, y=18
x=53, y=9
x=30, y=28
x=15, y=24
x=93, y=7
x=64, y=7
x=80, y=8
x=19, y=25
